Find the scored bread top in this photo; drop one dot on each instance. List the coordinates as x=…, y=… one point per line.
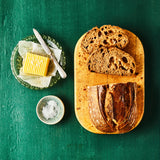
x=107, y=36
x=113, y=107
x=111, y=61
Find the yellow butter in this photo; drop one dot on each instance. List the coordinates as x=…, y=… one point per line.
x=36, y=64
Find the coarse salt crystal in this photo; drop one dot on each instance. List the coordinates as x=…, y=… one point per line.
x=50, y=110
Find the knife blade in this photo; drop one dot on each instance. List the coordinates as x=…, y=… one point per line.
x=47, y=50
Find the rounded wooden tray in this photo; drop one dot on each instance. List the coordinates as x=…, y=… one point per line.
x=84, y=78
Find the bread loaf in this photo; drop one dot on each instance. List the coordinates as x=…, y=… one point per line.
x=107, y=36
x=111, y=61
x=113, y=107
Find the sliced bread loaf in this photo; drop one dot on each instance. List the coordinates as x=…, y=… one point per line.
x=107, y=36
x=111, y=61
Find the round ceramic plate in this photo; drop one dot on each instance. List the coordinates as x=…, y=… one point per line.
x=16, y=62
x=43, y=102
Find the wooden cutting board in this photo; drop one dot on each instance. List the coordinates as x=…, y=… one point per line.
x=84, y=78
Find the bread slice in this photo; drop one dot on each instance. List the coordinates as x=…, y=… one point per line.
x=114, y=36
x=90, y=42
x=111, y=61
x=107, y=36
x=113, y=107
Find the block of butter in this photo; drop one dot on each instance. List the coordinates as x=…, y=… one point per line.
x=36, y=64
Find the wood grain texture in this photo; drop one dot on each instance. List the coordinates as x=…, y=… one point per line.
x=84, y=78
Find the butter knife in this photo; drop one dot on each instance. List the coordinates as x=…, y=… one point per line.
x=47, y=50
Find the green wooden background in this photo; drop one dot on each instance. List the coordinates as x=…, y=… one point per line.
x=22, y=135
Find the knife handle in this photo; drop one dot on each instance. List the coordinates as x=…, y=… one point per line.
x=59, y=68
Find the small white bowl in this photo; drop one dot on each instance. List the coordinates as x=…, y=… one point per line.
x=43, y=102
